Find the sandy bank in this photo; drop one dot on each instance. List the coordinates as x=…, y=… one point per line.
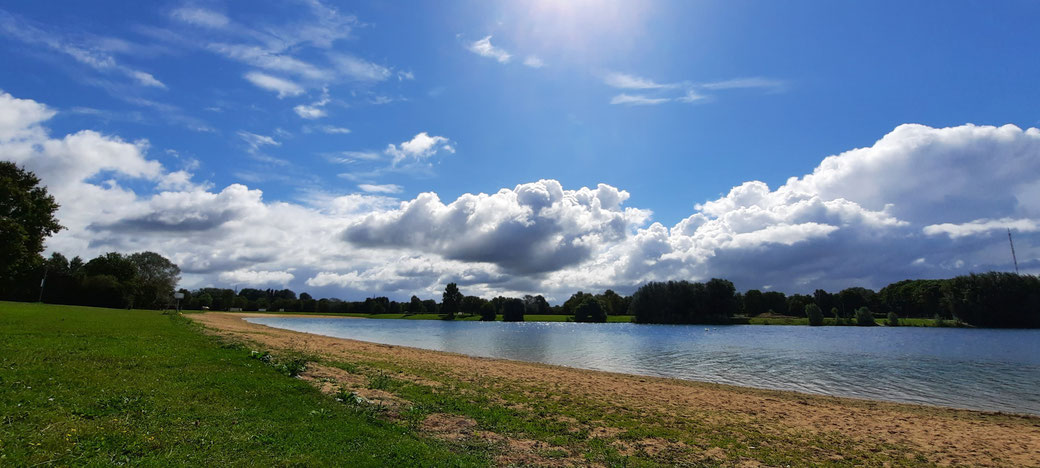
x=832, y=428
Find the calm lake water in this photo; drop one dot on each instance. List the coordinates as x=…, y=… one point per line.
x=993, y=370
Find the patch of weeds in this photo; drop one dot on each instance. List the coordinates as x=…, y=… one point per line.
x=381, y=381
x=291, y=367
x=360, y=404
x=349, y=367
x=262, y=356
x=416, y=413
x=321, y=413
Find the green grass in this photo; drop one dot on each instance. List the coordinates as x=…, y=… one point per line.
x=88, y=386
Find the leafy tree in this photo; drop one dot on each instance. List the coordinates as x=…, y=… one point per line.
x=753, y=303
x=471, y=305
x=155, y=279
x=590, y=310
x=893, y=320
x=450, y=301
x=513, y=310
x=614, y=303
x=487, y=312
x=864, y=317
x=415, y=306
x=815, y=314
x=26, y=220
x=571, y=304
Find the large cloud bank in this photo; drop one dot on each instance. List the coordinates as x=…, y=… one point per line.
x=920, y=202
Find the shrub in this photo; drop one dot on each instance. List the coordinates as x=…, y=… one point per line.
x=590, y=310
x=893, y=319
x=864, y=318
x=815, y=315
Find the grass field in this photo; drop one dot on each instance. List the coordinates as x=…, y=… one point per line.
x=88, y=386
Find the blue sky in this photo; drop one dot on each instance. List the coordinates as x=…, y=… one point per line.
x=677, y=104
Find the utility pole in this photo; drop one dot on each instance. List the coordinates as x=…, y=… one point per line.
x=1015, y=259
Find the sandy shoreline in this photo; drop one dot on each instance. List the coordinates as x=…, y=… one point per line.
x=934, y=435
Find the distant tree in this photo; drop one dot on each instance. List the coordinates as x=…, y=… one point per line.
x=614, y=303
x=513, y=310
x=590, y=310
x=26, y=220
x=815, y=314
x=471, y=305
x=837, y=316
x=451, y=300
x=487, y=312
x=155, y=279
x=430, y=306
x=753, y=303
x=415, y=306
x=574, y=301
x=864, y=317
x=893, y=320
x=775, y=300
x=796, y=303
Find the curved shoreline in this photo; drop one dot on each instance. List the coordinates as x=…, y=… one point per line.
x=941, y=435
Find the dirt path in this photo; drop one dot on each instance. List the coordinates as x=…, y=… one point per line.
x=933, y=435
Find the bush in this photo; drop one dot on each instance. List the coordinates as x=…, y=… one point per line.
x=487, y=312
x=864, y=318
x=590, y=310
x=815, y=315
x=513, y=310
x=893, y=319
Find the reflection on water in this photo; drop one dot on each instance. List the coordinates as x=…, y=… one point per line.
x=995, y=370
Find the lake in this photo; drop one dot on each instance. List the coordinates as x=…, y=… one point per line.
x=981, y=369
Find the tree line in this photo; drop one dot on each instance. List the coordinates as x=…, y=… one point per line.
x=147, y=280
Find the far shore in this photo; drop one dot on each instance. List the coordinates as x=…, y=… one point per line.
x=676, y=421
x=758, y=320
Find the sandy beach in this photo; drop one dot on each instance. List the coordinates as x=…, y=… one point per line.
x=683, y=422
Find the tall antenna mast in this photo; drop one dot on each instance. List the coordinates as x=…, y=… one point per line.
x=1013, y=251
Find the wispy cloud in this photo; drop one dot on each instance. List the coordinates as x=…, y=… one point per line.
x=314, y=110
x=272, y=83
x=200, y=17
x=654, y=92
x=626, y=81
x=744, y=83
x=385, y=188
x=534, y=62
x=484, y=48
x=256, y=141
x=637, y=100
x=92, y=52
x=358, y=69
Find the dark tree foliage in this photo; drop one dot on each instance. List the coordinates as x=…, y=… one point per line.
x=775, y=301
x=684, y=302
x=796, y=304
x=815, y=314
x=26, y=220
x=590, y=310
x=893, y=320
x=451, y=300
x=488, y=313
x=471, y=305
x=864, y=317
x=571, y=304
x=155, y=279
x=1004, y=300
x=415, y=306
x=614, y=303
x=823, y=299
x=513, y=310
x=536, y=305
x=753, y=303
